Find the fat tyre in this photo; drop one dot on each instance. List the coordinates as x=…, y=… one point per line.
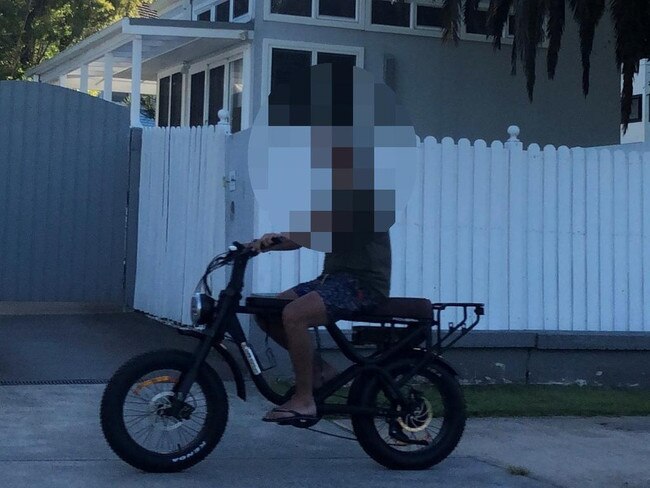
x=126, y=448
x=450, y=433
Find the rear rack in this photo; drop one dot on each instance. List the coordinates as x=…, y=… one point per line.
x=384, y=335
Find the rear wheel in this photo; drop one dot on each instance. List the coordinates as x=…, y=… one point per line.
x=134, y=414
x=423, y=432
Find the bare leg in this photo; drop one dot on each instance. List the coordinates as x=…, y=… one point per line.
x=322, y=370
x=304, y=312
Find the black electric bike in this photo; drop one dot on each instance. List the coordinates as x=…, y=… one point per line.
x=165, y=411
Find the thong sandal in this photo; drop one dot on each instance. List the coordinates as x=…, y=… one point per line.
x=297, y=419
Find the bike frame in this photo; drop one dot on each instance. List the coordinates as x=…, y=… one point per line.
x=225, y=321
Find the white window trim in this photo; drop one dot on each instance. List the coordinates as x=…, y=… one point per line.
x=364, y=14
x=316, y=19
x=269, y=44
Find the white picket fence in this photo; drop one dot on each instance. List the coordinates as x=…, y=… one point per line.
x=552, y=239
x=181, y=216
x=549, y=239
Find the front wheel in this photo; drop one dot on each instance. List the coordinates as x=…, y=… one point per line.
x=135, y=419
x=419, y=434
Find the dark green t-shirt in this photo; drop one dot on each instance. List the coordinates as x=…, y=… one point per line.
x=369, y=262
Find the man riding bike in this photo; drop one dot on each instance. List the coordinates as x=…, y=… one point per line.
x=356, y=279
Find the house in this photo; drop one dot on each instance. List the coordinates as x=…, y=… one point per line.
x=199, y=56
x=638, y=130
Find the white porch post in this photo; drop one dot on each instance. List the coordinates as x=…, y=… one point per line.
x=63, y=81
x=108, y=77
x=136, y=80
x=83, y=81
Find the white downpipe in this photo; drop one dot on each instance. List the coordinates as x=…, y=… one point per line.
x=136, y=80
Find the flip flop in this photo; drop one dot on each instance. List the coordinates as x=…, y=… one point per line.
x=296, y=418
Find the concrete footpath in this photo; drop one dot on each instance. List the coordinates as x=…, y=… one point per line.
x=51, y=438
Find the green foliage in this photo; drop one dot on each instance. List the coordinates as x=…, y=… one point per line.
x=34, y=30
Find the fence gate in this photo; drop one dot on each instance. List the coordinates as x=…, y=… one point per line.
x=64, y=178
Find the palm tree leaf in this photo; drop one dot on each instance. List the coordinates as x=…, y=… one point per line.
x=536, y=13
x=451, y=21
x=497, y=17
x=555, y=29
x=587, y=13
x=629, y=17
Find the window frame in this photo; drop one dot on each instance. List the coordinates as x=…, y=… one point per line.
x=169, y=72
x=269, y=44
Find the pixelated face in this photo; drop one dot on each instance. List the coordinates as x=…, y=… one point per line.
x=332, y=157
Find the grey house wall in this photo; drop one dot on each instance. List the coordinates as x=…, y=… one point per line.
x=64, y=183
x=467, y=91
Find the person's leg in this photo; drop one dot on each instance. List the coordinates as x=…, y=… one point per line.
x=273, y=325
x=322, y=370
x=297, y=317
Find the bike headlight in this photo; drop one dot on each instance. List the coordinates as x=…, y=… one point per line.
x=202, y=307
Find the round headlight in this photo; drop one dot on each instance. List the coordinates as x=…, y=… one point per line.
x=201, y=308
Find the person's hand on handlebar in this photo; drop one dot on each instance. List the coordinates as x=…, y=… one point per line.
x=266, y=243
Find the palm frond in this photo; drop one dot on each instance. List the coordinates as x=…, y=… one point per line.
x=535, y=25
x=451, y=19
x=497, y=17
x=629, y=17
x=587, y=13
x=554, y=30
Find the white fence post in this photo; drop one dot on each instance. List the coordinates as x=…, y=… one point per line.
x=224, y=120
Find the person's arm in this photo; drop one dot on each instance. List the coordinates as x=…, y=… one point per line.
x=265, y=243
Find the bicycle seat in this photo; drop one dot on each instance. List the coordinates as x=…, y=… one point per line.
x=396, y=307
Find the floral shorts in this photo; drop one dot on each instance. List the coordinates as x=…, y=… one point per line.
x=342, y=294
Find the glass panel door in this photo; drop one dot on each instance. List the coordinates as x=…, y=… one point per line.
x=236, y=90
x=215, y=96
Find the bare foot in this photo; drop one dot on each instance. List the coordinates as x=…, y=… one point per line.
x=301, y=406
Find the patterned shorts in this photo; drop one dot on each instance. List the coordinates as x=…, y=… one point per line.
x=341, y=293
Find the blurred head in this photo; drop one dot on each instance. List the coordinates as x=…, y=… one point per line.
x=332, y=157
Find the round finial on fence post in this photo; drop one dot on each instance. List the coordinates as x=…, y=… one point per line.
x=224, y=120
x=513, y=141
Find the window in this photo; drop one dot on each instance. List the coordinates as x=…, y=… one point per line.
x=291, y=7
x=337, y=8
x=170, y=100
x=197, y=98
x=335, y=58
x=477, y=23
x=176, y=103
x=163, y=101
x=342, y=9
x=428, y=16
x=286, y=61
x=240, y=7
x=223, y=12
x=395, y=14
x=215, y=94
x=205, y=16
x=220, y=11
x=637, y=109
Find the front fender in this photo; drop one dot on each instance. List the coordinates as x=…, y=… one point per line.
x=227, y=357
x=234, y=368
